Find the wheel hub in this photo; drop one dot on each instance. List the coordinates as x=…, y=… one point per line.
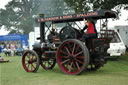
x=29, y=62
x=71, y=57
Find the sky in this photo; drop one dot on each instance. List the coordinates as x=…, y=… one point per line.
x=121, y=21
x=2, y=4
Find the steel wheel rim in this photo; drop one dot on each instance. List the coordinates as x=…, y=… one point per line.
x=29, y=62
x=74, y=61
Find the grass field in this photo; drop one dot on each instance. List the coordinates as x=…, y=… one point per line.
x=113, y=73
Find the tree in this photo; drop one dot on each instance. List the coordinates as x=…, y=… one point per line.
x=52, y=7
x=86, y=5
x=18, y=14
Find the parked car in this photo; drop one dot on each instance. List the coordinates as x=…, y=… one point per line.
x=117, y=46
x=123, y=31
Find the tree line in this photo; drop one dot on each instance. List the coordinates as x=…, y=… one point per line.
x=18, y=16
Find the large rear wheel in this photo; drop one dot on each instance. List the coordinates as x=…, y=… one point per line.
x=72, y=57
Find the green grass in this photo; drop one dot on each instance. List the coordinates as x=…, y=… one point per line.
x=113, y=73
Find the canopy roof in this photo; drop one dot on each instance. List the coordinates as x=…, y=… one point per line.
x=11, y=37
x=14, y=37
x=102, y=14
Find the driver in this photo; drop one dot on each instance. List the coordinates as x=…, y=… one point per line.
x=91, y=30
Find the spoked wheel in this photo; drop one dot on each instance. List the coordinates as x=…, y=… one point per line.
x=93, y=67
x=48, y=63
x=72, y=57
x=30, y=61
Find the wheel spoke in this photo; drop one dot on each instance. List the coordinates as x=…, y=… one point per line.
x=91, y=66
x=69, y=46
x=44, y=62
x=67, y=64
x=28, y=57
x=27, y=60
x=67, y=50
x=34, y=60
x=79, y=61
x=78, y=67
x=73, y=48
x=70, y=68
x=33, y=57
x=80, y=57
x=64, y=52
x=28, y=66
x=79, y=53
x=49, y=63
x=65, y=61
x=77, y=47
x=33, y=66
x=64, y=56
x=74, y=67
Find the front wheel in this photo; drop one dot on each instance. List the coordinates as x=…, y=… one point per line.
x=72, y=57
x=30, y=61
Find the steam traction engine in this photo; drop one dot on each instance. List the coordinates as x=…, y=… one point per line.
x=66, y=47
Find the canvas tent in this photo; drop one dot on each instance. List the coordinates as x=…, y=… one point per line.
x=14, y=37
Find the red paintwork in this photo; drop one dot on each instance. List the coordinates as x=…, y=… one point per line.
x=76, y=63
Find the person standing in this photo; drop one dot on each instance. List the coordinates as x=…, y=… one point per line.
x=0, y=53
x=12, y=47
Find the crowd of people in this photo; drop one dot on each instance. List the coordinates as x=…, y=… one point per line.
x=11, y=48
